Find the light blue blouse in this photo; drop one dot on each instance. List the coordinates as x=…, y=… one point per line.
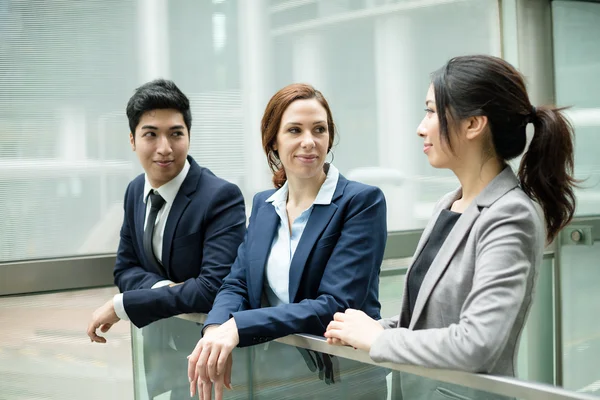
x=277, y=270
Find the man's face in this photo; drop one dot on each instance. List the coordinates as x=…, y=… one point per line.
x=161, y=143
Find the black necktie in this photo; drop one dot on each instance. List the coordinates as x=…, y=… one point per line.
x=156, y=203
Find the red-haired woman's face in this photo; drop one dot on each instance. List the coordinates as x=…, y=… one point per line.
x=303, y=139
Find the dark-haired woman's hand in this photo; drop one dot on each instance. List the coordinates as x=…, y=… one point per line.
x=353, y=328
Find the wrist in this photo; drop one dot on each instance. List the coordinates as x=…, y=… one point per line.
x=209, y=328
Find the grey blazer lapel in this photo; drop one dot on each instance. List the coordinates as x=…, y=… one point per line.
x=443, y=258
x=498, y=187
x=443, y=204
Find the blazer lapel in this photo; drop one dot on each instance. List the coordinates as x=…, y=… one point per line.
x=442, y=259
x=498, y=187
x=444, y=204
x=187, y=189
x=317, y=222
x=140, y=216
x=259, y=250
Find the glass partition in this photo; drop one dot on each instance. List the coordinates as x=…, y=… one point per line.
x=576, y=27
x=46, y=354
x=304, y=366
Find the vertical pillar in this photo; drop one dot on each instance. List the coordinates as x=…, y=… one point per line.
x=153, y=39
x=308, y=57
x=256, y=90
x=396, y=96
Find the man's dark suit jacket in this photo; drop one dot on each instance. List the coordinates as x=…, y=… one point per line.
x=204, y=228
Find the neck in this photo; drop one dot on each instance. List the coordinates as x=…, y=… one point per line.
x=474, y=177
x=303, y=192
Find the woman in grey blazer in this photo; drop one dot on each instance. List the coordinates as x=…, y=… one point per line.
x=469, y=288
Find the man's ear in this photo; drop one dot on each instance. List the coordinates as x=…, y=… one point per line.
x=476, y=126
x=132, y=141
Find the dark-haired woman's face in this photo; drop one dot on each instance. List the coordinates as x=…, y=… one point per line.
x=438, y=154
x=303, y=139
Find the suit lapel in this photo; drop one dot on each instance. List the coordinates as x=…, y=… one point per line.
x=444, y=204
x=317, y=222
x=183, y=198
x=498, y=187
x=140, y=216
x=268, y=222
x=443, y=257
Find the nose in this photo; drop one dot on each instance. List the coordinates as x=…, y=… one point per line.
x=307, y=140
x=421, y=129
x=164, y=146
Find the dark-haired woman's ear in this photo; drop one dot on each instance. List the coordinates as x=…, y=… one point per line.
x=475, y=126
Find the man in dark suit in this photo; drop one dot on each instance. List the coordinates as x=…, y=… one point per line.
x=180, y=234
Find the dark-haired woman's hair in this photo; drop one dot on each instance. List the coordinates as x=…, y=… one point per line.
x=481, y=85
x=272, y=119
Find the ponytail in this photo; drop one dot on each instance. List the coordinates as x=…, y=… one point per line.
x=469, y=86
x=546, y=170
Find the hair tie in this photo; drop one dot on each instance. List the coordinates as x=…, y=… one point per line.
x=532, y=114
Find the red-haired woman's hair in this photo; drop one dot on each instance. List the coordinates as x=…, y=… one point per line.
x=272, y=120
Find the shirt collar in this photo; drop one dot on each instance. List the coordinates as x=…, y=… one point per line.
x=324, y=196
x=169, y=190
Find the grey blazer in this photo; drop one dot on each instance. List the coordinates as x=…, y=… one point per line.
x=475, y=297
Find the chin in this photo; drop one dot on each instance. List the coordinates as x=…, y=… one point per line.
x=313, y=173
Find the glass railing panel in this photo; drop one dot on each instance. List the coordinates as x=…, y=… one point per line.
x=306, y=367
x=160, y=365
x=536, y=355
x=283, y=371
x=580, y=275
x=391, y=286
x=46, y=354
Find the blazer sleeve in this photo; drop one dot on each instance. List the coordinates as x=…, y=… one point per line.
x=128, y=273
x=352, y=267
x=224, y=227
x=507, y=250
x=389, y=323
x=233, y=295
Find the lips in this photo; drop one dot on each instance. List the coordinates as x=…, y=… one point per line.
x=307, y=157
x=164, y=163
x=427, y=146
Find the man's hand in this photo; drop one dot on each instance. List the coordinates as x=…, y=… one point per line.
x=103, y=318
x=175, y=284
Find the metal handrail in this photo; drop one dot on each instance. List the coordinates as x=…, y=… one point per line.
x=505, y=386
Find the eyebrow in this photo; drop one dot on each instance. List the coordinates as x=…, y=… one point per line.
x=429, y=101
x=299, y=124
x=155, y=128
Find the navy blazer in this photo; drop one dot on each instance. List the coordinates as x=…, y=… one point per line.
x=335, y=266
x=205, y=226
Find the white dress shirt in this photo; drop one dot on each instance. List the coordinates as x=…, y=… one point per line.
x=168, y=192
x=277, y=270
